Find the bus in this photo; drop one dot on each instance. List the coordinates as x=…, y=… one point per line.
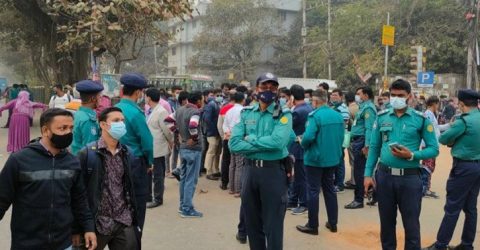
x=187, y=82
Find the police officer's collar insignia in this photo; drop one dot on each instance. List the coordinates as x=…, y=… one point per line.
x=367, y=115
x=375, y=125
x=284, y=120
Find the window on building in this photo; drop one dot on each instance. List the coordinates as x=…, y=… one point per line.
x=283, y=15
x=174, y=51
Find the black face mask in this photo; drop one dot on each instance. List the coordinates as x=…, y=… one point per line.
x=61, y=141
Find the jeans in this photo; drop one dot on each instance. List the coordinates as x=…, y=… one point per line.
x=319, y=177
x=340, y=172
x=404, y=193
x=297, y=191
x=189, y=171
x=463, y=187
x=158, y=179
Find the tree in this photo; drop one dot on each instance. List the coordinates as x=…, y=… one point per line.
x=234, y=34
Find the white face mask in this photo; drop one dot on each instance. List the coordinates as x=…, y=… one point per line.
x=398, y=102
x=358, y=99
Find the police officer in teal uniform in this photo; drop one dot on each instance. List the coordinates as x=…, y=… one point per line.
x=463, y=184
x=138, y=137
x=396, y=138
x=262, y=136
x=360, y=136
x=85, y=126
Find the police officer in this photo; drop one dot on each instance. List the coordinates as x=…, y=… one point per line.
x=262, y=135
x=138, y=137
x=464, y=181
x=396, y=138
x=85, y=127
x=322, y=140
x=360, y=136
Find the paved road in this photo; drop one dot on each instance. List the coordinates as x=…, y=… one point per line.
x=358, y=229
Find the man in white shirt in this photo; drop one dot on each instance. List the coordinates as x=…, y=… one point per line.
x=433, y=104
x=162, y=143
x=60, y=98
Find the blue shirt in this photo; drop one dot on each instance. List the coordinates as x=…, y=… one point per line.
x=299, y=120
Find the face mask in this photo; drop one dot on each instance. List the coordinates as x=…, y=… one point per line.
x=307, y=100
x=141, y=99
x=219, y=99
x=283, y=101
x=210, y=98
x=245, y=96
x=117, y=130
x=61, y=141
x=176, y=96
x=398, y=102
x=267, y=97
x=358, y=99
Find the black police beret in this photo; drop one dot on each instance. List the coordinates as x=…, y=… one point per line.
x=89, y=86
x=134, y=80
x=468, y=94
x=267, y=77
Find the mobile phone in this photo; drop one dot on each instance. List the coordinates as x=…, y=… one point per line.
x=395, y=145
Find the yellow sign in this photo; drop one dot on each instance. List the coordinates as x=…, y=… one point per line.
x=284, y=120
x=231, y=76
x=388, y=35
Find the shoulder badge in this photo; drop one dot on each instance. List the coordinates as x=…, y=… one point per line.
x=430, y=128
x=284, y=120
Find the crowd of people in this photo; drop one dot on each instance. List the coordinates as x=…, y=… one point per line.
x=92, y=174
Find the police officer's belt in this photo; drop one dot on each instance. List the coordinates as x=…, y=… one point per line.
x=466, y=161
x=265, y=163
x=398, y=171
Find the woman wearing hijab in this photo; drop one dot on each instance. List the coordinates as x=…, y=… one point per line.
x=19, y=129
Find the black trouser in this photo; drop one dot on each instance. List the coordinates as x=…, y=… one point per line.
x=225, y=162
x=158, y=174
x=204, y=152
x=320, y=178
x=264, y=197
x=123, y=238
x=140, y=183
x=404, y=193
x=357, y=145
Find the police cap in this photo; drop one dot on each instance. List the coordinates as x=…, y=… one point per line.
x=267, y=77
x=468, y=94
x=134, y=80
x=89, y=86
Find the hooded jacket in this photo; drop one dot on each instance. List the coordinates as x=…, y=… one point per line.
x=46, y=192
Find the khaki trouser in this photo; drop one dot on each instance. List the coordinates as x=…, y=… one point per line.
x=212, y=158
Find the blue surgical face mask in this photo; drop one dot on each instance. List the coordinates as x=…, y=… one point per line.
x=307, y=100
x=398, y=102
x=117, y=130
x=282, y=101
x=219, y=99
x=267, y=97
x=210, y=98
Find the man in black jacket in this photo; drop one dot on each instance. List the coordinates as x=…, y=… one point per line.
x=106, y=167
x=43, y=183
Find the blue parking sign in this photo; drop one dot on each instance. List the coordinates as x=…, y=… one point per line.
x=425, y=79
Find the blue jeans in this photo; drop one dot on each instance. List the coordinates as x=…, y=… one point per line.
x=321, y=178
x=297, y=190
x=405, y=194
x=463, y=186
x=189, y=171
x=340, y=172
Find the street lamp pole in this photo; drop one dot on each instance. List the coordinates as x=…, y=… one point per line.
x=304, y=36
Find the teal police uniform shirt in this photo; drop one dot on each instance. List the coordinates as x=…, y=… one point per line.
x=138, y=136
x=464, y=136
x=259, y=136
x=85, y=128
x=364, y=120
x=323, y=138
x=408, y=131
